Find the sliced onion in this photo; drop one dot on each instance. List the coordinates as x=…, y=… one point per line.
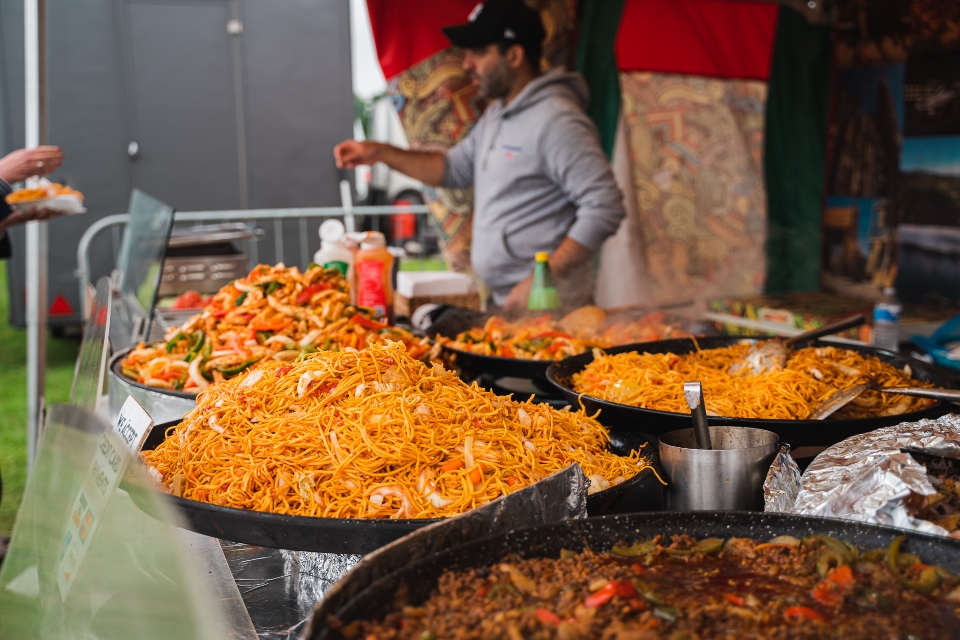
x=244, y=287
x=251, y=379
x=288, y=342
x=310, y=337
x=194, y=374
x=467, y=453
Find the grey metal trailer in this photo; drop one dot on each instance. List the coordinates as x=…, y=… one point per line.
x=205, y=104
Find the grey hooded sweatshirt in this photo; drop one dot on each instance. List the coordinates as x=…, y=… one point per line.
x=540, y=176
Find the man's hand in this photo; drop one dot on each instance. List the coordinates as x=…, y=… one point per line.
x=519, y=296
x=23, y=163
x=425, y=166
x=351, y=153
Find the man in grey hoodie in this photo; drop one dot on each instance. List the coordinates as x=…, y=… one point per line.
x=542, y=181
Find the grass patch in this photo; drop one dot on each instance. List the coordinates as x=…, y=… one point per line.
x=61, y=358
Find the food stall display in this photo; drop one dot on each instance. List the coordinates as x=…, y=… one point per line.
x=274, y=313
x=676, y=585
x=372, y=434
x=812, y=374
x=547, y=338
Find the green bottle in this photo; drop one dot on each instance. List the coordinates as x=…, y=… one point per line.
x=543, y=293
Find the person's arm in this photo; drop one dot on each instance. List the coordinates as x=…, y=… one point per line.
x=425, y=166
x=564, y=259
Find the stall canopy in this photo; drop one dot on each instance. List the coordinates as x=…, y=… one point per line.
x=722, y=108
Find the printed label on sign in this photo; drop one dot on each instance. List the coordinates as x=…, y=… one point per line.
x=339, y=265
x=110, y=459
x=370, y=291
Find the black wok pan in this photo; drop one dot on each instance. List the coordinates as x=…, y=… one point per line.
x=370, y=601
x=621, y=417
x=329, y=535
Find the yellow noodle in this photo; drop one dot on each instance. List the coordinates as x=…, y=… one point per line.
x=372, y=434
x=655, y=381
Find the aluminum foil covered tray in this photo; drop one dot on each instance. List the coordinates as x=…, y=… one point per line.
x=868, y=477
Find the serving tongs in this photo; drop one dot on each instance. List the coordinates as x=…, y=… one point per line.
x=772, y=354
x=843, y=397
x=693, y=392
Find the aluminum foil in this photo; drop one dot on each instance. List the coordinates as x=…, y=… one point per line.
x=867, y=477
x=782, y=484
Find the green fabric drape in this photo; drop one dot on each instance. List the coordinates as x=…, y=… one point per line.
x=795, y=152
x=596, y=61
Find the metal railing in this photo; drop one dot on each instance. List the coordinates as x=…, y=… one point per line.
x=349, y=215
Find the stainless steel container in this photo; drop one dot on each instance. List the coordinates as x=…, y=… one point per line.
x=728, y=477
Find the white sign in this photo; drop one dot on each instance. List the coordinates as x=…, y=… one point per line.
x=114, y=451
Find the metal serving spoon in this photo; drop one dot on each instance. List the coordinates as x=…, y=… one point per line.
x=843, y=397
x=773, y=353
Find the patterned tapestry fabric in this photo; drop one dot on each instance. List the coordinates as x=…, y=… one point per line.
x=696, y=148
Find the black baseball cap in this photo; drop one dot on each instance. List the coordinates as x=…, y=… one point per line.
x=510, y=21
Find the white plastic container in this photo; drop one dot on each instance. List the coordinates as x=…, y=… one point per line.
x=333, y=251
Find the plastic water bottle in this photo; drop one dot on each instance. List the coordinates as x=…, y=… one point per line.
x=886, y=321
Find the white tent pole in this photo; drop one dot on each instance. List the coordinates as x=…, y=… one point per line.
x=34, y=18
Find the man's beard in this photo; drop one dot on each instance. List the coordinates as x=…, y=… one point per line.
x=495, y=85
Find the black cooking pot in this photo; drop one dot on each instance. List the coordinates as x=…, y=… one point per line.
x=332, y=535
x=624, y=418
x=368, y=600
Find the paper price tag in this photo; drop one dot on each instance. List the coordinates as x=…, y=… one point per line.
x=114, y=451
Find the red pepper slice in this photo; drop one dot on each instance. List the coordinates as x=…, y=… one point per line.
x=803, y=613
x=367, y=323
x=834, y=587
x=735, y=600
x=278, y=325
x=601, y=597
x=310, y=291
x=625, y=589
x=547, y=617
x=219, y=313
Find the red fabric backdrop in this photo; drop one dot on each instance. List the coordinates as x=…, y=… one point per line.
x=408, y=31
x=714, y=38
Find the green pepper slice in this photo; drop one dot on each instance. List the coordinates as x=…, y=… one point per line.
x=172, y=344
x=829, y=559
x=243, y=366
x=197, y=340
x=831, y=543
x=707, y=545
x=636, y=549
x=271, y=287
x=929, y=578
x=240, y=299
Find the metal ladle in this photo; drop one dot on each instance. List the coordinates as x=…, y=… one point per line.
x=773, y=354
x=693, y=392
x=843, y=397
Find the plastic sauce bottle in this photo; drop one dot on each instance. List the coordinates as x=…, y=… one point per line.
x=333, y=252
x=543, y=292
x=886, y=321
x=373, y=265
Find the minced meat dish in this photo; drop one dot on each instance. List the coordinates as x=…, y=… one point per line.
x=684, y=588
